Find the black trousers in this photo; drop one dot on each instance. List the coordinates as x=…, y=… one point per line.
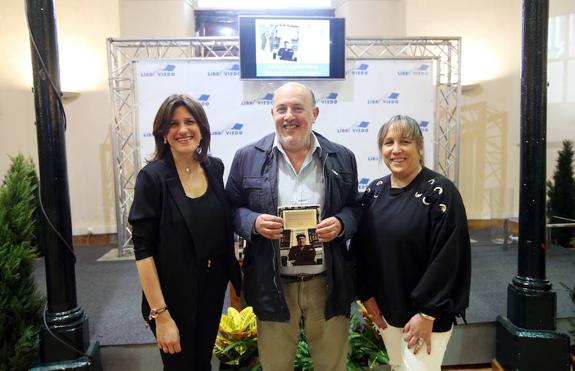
x=197, y=343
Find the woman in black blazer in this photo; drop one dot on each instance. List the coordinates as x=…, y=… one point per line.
x=183, y=237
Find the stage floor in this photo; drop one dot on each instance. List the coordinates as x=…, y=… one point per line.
x=109, y=291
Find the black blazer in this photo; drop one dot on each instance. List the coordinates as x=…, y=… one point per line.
x=159, y=229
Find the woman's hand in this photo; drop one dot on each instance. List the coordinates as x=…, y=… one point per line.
x=167, y=333
x=417, y=332
x=375, y=313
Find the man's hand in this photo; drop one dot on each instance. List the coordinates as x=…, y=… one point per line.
x=328, y=229
x=269, y=226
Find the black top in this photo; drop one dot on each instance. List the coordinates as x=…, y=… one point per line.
x=413, y=250
x=208, y=217
x=162, y=229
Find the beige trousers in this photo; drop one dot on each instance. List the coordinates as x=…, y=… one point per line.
x=327, y=340
x=402, y=359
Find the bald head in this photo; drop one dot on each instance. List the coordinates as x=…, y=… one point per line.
x=294, y=112
x=294, y=88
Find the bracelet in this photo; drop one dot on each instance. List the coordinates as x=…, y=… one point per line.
x=154, y=312
x=427, y=316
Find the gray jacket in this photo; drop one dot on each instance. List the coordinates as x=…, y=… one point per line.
x=252, y=190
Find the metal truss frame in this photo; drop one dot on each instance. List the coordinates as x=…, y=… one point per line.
x=123, y=52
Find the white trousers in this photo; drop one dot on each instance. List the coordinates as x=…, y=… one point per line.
x=402, y=359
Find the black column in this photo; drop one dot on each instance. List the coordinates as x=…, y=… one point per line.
x=66, y=339
x=526, y=335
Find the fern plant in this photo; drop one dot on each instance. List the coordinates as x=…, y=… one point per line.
x=20, y=304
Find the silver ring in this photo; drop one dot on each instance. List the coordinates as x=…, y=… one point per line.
x=420, y=342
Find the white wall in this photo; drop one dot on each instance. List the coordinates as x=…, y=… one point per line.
x=16, y=100
x=83, y=27
x=156, y=18
x=491, y=55
x=372, y=18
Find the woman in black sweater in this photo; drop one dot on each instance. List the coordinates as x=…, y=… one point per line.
x=183, y=237
x=413, y=252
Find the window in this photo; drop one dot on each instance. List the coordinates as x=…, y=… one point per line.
x=561, y=59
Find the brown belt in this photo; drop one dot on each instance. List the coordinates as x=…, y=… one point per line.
x=291, y=278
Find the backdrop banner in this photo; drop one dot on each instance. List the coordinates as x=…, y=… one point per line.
x=351, y=111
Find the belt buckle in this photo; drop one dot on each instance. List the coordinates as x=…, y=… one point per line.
x=300, y=277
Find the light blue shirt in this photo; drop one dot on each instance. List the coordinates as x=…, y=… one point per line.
x=301, y=189
x=305, y=188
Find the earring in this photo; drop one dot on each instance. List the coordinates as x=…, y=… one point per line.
x=165, y=140
x=199, y=150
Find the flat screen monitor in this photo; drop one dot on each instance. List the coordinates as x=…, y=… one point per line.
x=277, y=48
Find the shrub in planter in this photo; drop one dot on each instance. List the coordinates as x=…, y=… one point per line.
x=20, y=304
x=561, y=193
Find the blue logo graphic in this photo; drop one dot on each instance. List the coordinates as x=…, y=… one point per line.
x=359, y=70
x=148, y=134
x=363, y=183
x=331, y=98
x=421, y=70
x=358, y=127
x=203, y=99
x=424, y=125
x=233, y=70
x=391, y=98
x=264, y=100
x=234, y=129
x=372, y=158
x=166, y=71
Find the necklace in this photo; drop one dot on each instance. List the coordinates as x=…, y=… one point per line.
x=189, y=170
x=188, y=167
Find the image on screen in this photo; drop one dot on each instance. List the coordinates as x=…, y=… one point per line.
x=292, y=47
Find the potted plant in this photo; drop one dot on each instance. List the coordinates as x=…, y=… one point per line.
x=20, y=303
x=366, y=347
x=561, y=194
x=236, y=344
